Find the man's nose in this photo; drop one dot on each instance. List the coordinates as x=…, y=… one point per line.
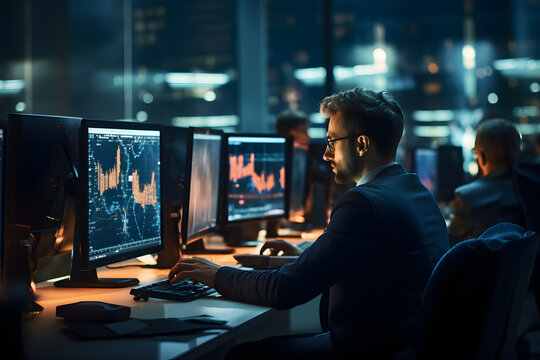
x=327, y=156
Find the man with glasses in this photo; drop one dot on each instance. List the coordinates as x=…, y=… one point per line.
x=491, y=198
x=374, y=258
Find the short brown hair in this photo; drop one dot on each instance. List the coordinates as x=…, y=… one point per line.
x=365, y=111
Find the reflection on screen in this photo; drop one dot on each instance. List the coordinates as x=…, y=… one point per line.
x=256, y=177
x=426, y=168
x=203, y=191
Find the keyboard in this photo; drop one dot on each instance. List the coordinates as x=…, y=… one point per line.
x=182, y=290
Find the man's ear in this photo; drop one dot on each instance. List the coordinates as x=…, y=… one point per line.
x=481, y=158
x=363, y=143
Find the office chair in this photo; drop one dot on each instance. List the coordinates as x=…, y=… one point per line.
x=474, y=298
x=526, y=177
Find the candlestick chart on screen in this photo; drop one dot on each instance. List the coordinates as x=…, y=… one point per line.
x=256, y=180
x=123, y=190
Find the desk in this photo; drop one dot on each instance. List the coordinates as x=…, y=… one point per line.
x=44, y=340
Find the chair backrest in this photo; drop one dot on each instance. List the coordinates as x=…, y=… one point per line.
x=526, y=179
x=517, y=258
x=474, y=297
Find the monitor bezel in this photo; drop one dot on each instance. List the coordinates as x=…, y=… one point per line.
x=84, y=244
x=225, y=180
x=184, y=238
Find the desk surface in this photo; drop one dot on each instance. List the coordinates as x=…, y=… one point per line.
x=43, y=338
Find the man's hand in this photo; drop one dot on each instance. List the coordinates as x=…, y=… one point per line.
x=280, y=247
x=197, y=269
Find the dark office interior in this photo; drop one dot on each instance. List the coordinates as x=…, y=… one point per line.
x=136, y=135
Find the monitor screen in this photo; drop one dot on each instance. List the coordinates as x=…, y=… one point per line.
x=297, y=198
x=426, y=166
x=257, y=177
x=123, y=192
x=203, y=203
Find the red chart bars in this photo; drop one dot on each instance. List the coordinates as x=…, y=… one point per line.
x=110, y=178
x=262, y=181
x=146, y=196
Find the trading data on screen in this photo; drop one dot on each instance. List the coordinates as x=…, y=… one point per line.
x=256, y=186
x=203, y=190
x=124, y=205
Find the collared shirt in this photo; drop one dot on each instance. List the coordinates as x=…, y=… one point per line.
x=372, y=173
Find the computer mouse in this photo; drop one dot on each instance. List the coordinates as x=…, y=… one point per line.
x=93, y=311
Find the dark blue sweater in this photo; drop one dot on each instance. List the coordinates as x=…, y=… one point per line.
x=374, y=258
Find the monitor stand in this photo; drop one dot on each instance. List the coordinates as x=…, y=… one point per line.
x=244, y=235
x=89, y=279
x=80, y=278
x=198, y=247
x=17, y=277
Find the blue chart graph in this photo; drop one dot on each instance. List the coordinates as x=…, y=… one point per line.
x=124, y=211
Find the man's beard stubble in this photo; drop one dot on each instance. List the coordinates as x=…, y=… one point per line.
x=350, y=166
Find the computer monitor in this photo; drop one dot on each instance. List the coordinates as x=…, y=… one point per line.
x=320, y=183
x=120, y=201
x=257, y=178
x=451, y=173
x=256, y=185
x=174, y=142
x=15, y=279
x=440, y=169
x=298, y=182
x=40, y=190
x=201, y=210
x=426, y=166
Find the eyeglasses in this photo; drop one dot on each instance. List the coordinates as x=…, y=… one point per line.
x=474, y=152
x=331, y=142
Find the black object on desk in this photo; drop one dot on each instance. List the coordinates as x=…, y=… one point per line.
x=93, y=311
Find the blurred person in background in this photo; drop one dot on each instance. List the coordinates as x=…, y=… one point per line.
x=491, y=198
